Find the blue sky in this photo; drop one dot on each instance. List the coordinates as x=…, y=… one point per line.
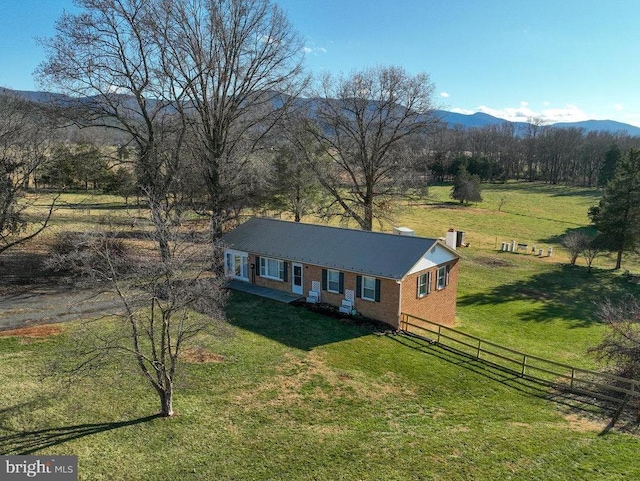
x=564, y=60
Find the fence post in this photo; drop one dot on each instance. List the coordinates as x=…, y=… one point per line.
x=572, y=376
x=478, y=350
x=524, y=365
x=439, y=331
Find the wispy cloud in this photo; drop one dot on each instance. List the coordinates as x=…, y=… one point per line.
x=314, y=50
x=444, y=94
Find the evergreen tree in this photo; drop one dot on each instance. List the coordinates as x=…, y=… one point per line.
x=608, y=168
x=617, y=216
x=294, y=185
x=466, y=187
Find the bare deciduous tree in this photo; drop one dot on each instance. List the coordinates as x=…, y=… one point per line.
x=361, y=125
x=592, y=249
x=620, y=347
x=107, y=59
x=239, y=64
x=24, y=140
x=166, y=302
x=575, y=242
x=207, y=78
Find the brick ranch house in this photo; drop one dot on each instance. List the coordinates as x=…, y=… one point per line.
x=375, y=274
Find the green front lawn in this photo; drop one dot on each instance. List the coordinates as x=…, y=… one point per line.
x=302, y=396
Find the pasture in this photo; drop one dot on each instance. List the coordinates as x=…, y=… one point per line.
x=287, y=394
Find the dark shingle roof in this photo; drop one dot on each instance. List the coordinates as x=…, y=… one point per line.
x=363, y=252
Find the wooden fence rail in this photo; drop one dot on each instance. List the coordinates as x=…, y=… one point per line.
x=582, y=381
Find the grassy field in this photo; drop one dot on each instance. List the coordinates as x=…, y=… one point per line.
x=539, y=305
x=298, y=396
x=292, y=395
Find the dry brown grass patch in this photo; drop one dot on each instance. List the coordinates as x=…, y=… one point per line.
x=583, y=424
x=33, y=332
x=200, y=355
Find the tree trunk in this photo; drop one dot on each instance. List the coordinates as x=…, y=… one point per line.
x=368, y=215
x=166, y=402
x=619, y=259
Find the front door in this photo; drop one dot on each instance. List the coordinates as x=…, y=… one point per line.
x=296, y=282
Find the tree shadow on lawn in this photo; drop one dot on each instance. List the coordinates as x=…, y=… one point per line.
x=557, y=239
x=566, y=292
x=522, y=384
x=554, y=190
x=102, y=206
x=293, y=326
x=28, y=442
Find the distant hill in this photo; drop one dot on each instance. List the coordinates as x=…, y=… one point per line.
x=39, y=97
x=478, y=119
x=602, y=125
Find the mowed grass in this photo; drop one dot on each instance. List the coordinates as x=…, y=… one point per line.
x=539, y=305
x=302, y=396
x=299, y=396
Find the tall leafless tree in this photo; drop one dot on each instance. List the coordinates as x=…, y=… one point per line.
x=362, y=123
x=107, y=59
x=239, y=64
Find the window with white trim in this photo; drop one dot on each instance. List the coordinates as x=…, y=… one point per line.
x=272, y=268
x=443, y=277
x=424, y=284
x=369, y=288
x=333, y=281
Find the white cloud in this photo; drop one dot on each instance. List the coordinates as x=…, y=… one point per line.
x=463, y=111
x=314, y=50
x=523, y=113
x=444, y=94
x=633, y=119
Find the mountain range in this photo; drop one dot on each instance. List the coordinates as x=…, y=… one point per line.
x=480, y=119
x=452, y=119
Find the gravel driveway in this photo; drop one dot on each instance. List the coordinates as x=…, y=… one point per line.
x=20, y=307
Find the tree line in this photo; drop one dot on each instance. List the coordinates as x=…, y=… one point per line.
x=555, y=155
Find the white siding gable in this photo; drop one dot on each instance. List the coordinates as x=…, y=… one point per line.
x=435, y=256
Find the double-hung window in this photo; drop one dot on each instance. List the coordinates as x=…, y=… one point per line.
x=369, y=288
x=333, y=280
x=272, y=268
x=424, y=284
x=443, y=277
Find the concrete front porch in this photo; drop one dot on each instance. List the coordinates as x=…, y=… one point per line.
x=263, y=291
